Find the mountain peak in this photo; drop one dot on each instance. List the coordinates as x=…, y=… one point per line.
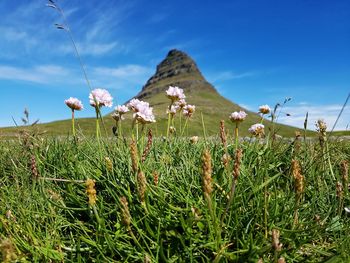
x=177, y=69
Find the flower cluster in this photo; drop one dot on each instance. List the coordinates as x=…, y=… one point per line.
x=120, y=110
x=175, y=93
x=257, y=129
x=264, y=109
x=238, y=116
x=188, y=110
x=74, y=103
x=143, y=112
x=101, y=97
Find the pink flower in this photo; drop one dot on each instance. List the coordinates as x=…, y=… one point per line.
x=175, y=93
x=264, y=109
x=74, y=103
x=188, y=110
x=135, y=105
x=101, y=97
x=121, y=109
x=173, y=110
x=144, y=114
x=238, y=116
x=257, y=129
x=181, y=103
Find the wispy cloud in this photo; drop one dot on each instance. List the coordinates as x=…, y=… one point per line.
x=329, y=113
x=229, y=75
x=42, y=74
x=92, y=49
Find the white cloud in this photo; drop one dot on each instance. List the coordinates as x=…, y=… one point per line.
x=329, y=113
x=93, y=49
x=229, y=75
x=42, y=74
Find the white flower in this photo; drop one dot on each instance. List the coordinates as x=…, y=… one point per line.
x=257, y=129
x=181, y=103
x=264, y=109
x=238, y=116
x=135, y=104
x=188, y=110
x=347, y=210
x=175, y=93
x=121, y=109
x=173, y=109
x=145, y=114
x=321, y=126
x=194, y=139
x=101, y=97
x=74, y=103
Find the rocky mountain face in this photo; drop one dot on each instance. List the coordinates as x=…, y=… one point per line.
x=177, y=69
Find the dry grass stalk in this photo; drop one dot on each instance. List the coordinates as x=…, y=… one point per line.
x=134, y=155
x=223, y=133
x=142, y=185
x=109, y=164
x=225, y=159
x=91, y=191
x=155, y=178
x=8, y=250
x=277, y=246
x=344, y=166
x=148, y=146
x=33, y=168
x=298, y=177
x=238, y=162
x=126, y=217
x=207, y=171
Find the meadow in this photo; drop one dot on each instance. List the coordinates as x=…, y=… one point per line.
x=174, y=199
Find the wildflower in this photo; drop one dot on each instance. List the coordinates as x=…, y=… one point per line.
x=181, y=103
x=91, y=191
x=188, y=110
x=194, y=139
x=173, y=109
x=238, y=116
x=74, y=103
x=264, y=109
x=144, y=114
x=101, y=97
x=257, y=129
x=120, y=110
x=172, y=129
x=135, y=105
x=175, y=93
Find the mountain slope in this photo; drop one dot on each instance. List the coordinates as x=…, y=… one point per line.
x=177, y=69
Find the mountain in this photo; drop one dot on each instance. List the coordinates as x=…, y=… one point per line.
x=177, y=69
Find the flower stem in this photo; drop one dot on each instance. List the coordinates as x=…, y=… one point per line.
x=236, y=136
x=73, y=126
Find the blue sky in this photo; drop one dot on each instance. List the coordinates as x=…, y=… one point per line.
x=254, y=52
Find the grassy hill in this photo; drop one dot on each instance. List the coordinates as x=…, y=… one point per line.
x=180, y=70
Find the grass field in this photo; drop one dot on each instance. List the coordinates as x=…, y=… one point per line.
x=111, y=200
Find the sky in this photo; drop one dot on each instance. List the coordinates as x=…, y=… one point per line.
x=254, y=52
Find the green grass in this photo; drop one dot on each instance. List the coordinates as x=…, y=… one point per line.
x=53, y=221
x=211, y=105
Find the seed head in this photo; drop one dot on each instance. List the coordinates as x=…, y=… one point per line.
x=223, y=133
x=91, y=191
x=298, y=177
x=134, y=156
x=277, y=246
x=126, y=217
x=238, y=161
x=148, y=146
x=207, y=171
x=142, y=185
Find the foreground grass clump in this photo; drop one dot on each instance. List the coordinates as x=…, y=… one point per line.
x=173, y=201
